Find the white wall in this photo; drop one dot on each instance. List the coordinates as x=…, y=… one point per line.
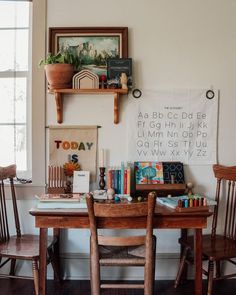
x=174, y=44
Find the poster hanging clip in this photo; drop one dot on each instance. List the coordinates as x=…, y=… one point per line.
x=137, y=93
x=210, y=94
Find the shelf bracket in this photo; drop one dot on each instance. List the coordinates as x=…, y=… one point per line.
x=60, y=92
x=59, y=105
x=116, y=108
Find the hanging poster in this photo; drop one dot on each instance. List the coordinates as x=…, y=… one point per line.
x=76, y=145
x=178, y=125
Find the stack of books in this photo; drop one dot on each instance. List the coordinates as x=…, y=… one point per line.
x=119, y=179
x=61, y=201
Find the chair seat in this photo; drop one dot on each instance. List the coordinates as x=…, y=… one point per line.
x=113, y=255
x=216, y=249
x=26, y=246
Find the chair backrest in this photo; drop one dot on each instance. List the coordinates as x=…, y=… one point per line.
x=225, y=193
x=114, y=210
x=8, y=172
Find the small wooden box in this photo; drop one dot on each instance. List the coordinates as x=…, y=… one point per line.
x=192, y=209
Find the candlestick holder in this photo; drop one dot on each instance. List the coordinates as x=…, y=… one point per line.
x=102, y=182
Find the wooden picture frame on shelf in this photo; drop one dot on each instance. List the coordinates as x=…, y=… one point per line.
x=93, y=45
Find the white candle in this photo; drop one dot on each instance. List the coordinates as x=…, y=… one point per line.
x=101, y=157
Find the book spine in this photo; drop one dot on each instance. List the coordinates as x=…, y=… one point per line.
x=128, y=180
x=113, y=178
x=122, y=168
x=116, y=180
x=125, y=181
x=109, y=178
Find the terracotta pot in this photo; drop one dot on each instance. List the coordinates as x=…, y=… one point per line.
x=59, y=75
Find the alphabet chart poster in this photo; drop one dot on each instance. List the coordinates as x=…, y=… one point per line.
x=76, y=144
x=178, y=125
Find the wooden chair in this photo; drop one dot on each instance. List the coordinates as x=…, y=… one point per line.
x=217, y=247
x=19, y=246
x=120, y=250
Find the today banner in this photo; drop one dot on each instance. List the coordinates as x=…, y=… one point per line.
x=74, y=143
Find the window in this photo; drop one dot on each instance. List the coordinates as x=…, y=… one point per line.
x=15, y=85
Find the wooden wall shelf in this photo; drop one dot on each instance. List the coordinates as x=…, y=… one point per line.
x=161, y=189
x=60, y=92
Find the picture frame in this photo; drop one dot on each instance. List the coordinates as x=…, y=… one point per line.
x=93, y=45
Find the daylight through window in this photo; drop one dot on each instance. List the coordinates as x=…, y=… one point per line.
x=15, y=92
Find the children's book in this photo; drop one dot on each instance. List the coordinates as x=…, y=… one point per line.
x=148, y=173
x=173, y=172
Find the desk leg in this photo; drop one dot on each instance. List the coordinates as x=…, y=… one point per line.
x=184, y=235
x=43, y=260
x=198, y=261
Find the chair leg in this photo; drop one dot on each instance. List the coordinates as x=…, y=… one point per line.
x=55, y=261
x=154, y=263
x=218, y=269
x=36, y=276
x=94, y=271
x=181, y=266
x=12, y=269
x=149, y=269
x=210, y=276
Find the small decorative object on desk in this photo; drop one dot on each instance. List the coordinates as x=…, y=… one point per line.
x=187, y=203
x=100, y=194
x=110, y=194
x=69, y=168
x=190, y=187
x=102, y=182
x=103, y=79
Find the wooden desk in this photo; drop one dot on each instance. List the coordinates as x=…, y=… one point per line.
x=165, y=218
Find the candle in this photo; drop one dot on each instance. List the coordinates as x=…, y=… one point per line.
x=101, y=158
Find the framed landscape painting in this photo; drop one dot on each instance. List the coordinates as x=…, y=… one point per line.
x=93, y=45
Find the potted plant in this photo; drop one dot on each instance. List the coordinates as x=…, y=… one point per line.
x=59, y=68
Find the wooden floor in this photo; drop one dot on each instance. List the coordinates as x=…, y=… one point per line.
x=25, y=287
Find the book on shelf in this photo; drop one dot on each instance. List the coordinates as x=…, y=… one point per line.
x=117, y=66
x=158, y=173
x=148, y=172
x=119, y=178
x=173, y=172
x=61, y=201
